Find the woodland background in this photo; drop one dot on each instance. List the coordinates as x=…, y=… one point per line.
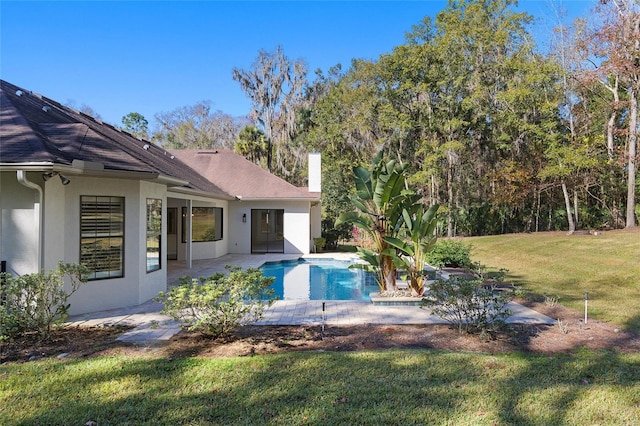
x=506, y=132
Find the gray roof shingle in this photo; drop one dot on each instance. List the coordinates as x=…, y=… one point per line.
x=240, y=177
x=35, y=129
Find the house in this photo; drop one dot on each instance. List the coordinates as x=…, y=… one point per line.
x=75, y=189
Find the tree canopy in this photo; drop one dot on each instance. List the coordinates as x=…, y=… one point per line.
x=502, y=135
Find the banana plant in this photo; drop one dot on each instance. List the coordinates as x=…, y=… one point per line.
x=379, y=199
x=411, y=252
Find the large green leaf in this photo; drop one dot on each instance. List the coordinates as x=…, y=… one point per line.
x=401, y=245
x=362, y=178
x=357, y=219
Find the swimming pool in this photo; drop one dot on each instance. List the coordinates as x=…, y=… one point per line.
x=319, y=279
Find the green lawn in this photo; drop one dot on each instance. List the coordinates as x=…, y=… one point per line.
x=607, y=266
x=323, y=388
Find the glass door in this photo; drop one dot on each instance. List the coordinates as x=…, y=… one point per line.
x=172, y=233
x=267, y=234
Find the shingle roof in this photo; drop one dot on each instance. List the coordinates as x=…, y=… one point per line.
x=35, y=129
x=240, y=177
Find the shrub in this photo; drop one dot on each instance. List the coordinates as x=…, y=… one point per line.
x=450, y=253
x=468, y=304
x=319, y=243
x=220, y=303
x=37, y=302
x=333, y=234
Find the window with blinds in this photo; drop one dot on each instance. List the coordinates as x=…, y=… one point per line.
x=102, y=236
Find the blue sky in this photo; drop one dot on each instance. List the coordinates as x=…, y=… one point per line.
x=153, y=56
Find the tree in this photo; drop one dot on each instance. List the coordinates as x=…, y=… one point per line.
x=613, y=48
x=495, y=132
x=251, y=144
x=478, y=100
x=274, y=84
x=197, y=127
x=136, y=124
x=84, y=108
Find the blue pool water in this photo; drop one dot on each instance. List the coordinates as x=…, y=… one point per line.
x=319, y=279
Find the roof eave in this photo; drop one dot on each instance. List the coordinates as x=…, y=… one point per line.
x=309, y=199
x=191, y=191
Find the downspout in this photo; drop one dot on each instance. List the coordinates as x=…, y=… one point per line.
x=22, y=178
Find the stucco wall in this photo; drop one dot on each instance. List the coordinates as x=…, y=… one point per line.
x=19, y=218
x=62, y=240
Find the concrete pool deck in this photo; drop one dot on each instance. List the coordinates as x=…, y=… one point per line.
x=153, y=326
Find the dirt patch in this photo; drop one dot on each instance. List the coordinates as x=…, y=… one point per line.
x=65, y=342
x=79, y=342
x=571, y=332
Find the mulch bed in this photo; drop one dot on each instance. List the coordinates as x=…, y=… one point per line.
x=80, y=342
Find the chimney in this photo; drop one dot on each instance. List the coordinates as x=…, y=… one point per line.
x=315, y=172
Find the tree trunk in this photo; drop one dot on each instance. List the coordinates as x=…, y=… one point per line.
x=575, y=208
x=389, y=273
x=567, y=203
x=450, y=196
x=631, y=176
x=537, y=208
x=612, y=119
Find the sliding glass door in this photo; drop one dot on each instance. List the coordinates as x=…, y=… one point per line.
x=267, y=231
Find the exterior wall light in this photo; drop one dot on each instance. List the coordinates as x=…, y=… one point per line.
x=48, y=175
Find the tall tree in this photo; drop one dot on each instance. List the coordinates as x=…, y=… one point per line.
x=614, y=48
x=83, y=108
x=197, y=127
x=136, y=124
x=274, y=84
x=251, y=144
x=486, y=101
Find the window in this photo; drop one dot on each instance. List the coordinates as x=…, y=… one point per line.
x=206, y=224
x=154, y=232
x=102, y=236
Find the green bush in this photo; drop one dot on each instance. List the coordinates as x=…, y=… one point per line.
x=319, y=243
x=468, y=304
x=220, y=303
x=450, y=253
x=37, y=302
x=333, y=234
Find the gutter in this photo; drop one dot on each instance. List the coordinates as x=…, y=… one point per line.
x=197, y=192
x=309, y=199
x=22, y=178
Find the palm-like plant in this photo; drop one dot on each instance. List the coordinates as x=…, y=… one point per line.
x=410, y=253
x=380, y=197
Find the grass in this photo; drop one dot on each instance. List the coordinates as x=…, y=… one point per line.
x=607, y=266
x=312, y=388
